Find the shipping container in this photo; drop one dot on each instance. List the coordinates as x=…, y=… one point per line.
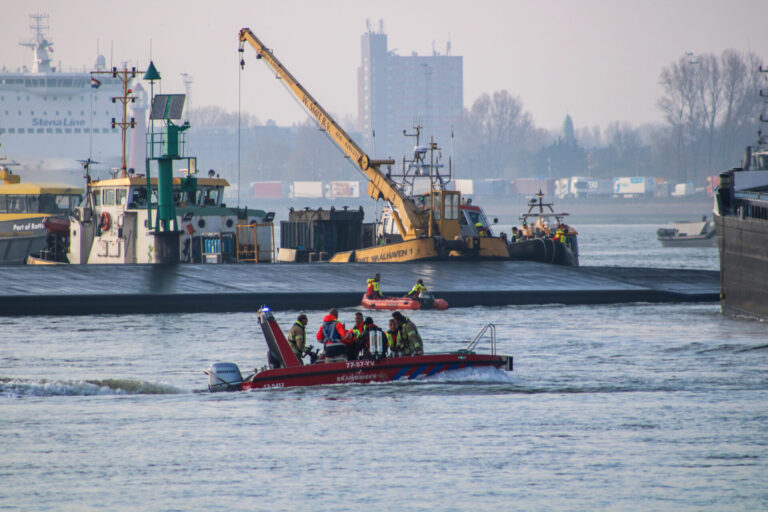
x=464, y=186
x=306, y=189
x=683, y=190
x=267, y=189
x=634, y=186
x=336, y=189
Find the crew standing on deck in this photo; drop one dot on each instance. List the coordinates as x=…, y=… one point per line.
x=409, y=339
x=297, y=337
x=417, y=289
x=560, y=233
x=482, y=231
x=373, y=291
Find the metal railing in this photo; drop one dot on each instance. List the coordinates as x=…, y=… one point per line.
x=486, y=328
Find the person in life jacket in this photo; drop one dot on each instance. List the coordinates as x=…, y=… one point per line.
x=332, y=331
x=417, y=289
x=481, y=230
x=391, y=336
x=363, y=342
x=357, y=330
x=560, y=233
x=408, y=335
x=373, y=291
x=297, y=337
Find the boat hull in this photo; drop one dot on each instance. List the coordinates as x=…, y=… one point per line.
x=543, y=250
x=742, y=246
x=20, y=236
x=403, y=303
x=364, y=371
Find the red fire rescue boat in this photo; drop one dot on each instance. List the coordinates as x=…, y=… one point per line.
x=287, y=371
x=424, y=301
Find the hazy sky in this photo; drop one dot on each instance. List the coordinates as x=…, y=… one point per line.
x=599, y=61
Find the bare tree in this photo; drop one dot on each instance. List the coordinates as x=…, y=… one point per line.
x=707, y=101
x=494, y=132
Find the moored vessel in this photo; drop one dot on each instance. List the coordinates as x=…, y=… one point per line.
x=544, y=236
x=26, y=212
x=741, y=217
x=688, y=234
x=165, y=215
x=286, y=370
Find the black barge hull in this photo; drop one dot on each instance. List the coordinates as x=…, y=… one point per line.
x=743, y=246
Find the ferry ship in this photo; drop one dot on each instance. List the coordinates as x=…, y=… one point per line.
x=50, y=118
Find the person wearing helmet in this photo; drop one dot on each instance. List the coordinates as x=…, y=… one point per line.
x=297, y=337
x=409, y=340
x=417, y=289
x=481, y=230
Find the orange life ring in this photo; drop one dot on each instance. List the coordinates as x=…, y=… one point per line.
x=105, y=221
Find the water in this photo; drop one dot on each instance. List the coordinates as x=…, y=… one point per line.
x=625, y=407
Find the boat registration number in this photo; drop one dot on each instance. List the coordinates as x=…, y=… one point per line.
x=359, y=364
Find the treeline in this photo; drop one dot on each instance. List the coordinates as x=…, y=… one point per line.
x=710, y=106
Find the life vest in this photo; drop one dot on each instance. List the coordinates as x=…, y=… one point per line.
x=330, y=334
x=374, y=283
x=417, y=290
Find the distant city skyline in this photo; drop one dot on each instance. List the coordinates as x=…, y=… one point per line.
x=597, y=61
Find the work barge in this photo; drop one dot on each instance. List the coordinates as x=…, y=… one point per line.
x=148, y=289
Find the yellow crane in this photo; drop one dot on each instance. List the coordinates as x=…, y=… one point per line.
x=431, y=231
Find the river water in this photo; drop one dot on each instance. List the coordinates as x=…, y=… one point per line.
x=609, y=407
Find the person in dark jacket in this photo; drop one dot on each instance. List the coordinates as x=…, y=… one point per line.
x=408, y=335
x=297, y=337
x=364, y=341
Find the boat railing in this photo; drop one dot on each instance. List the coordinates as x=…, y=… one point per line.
x=487, y=328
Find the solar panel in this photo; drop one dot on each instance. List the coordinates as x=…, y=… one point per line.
x=167, y=106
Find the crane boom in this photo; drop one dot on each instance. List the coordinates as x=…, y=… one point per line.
x=411, y=221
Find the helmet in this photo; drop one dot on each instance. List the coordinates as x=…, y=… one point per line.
x=420, y=281
x=478, y=224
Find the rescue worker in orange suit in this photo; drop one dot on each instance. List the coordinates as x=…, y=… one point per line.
x=373, y=291
x=363, y=342
x=297, y=337
x=409, y=339
x=332, y=331
x=417, y=289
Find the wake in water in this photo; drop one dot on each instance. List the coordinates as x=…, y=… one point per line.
x=485, y=375
x=18, y=388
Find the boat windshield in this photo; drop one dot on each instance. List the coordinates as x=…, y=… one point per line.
x=43, y=203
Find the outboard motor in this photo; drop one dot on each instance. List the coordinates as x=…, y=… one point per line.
x=427, y=300
x=224, y=377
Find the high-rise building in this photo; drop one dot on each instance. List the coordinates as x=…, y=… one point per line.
x=395, y=91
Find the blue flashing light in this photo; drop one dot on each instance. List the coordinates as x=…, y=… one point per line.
x=266, y=309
